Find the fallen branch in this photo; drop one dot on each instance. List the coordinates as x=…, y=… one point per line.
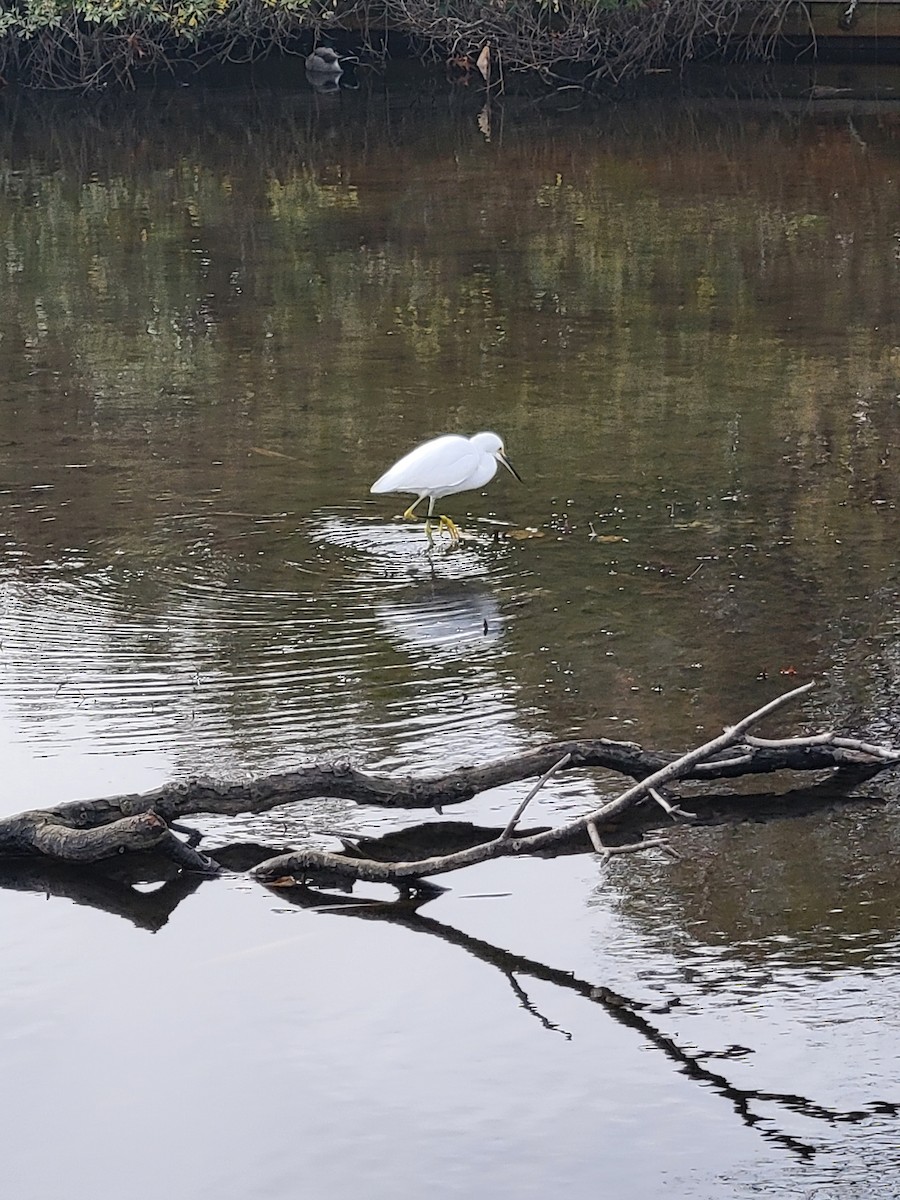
x=288, y=867
x=49, y=833
x=90, y=831
x=46, y=834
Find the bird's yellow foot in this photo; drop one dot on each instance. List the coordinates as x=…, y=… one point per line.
x=452, y=528
x=410, y=513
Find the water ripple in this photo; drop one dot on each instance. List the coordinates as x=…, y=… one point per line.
x=380, y=647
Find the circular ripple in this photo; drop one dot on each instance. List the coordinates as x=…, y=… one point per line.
x=375, y=648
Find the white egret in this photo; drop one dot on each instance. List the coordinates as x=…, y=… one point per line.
x=442, y=467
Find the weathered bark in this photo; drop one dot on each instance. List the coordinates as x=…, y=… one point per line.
x=95, y=830
x=341, y=780
x=298, y=864
x=57, y=834
x=48, y=832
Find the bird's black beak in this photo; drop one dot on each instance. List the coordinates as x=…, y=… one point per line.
x=501, y=457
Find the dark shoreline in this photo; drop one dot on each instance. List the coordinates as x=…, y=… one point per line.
x=597, y=48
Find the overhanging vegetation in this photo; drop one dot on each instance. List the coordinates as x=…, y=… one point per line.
x=590, y=43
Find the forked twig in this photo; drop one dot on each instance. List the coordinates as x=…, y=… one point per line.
x=673, y=810
x=826, y=739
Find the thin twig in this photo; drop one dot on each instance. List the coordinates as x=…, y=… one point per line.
x=672, y=809
x=637, y=847
x=514, y=819
x=812, y=739
x=596, y=840
x=867, y=748
x=825, y=739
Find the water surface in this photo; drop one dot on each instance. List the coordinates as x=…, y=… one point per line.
x=225, y=314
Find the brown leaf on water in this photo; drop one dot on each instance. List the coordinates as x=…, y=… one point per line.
x=521, y=534
x=270, y=453
x=283, y=881
x=608, y=537
x=483, y=63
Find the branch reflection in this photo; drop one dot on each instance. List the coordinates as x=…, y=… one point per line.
x=626, y=1011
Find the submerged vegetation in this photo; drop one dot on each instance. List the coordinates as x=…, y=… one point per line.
x=589, y=43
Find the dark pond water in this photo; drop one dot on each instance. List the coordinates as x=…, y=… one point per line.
x=224, y=315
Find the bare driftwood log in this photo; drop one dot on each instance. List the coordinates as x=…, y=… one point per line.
x=96, y=830
x=78, y=834
x=48, y=832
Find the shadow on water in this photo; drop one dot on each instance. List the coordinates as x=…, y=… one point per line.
x=631, y=1014
x=113, y=890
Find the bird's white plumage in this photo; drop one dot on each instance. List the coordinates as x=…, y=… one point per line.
x=444, y=466
x=439, y=468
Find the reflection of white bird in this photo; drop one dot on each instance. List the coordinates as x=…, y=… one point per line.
x=323, y=61
x=452, y=619
x=442, y=467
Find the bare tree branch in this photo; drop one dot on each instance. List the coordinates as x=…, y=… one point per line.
x=300, y=863
x=88, y=831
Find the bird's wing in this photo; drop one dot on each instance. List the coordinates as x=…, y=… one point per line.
x=439, y=464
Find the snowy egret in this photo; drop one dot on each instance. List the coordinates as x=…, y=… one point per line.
x=442, y=467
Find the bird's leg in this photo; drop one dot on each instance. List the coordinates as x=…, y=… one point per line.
x=428, y=520
x=452, y=528
x=411, y=511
